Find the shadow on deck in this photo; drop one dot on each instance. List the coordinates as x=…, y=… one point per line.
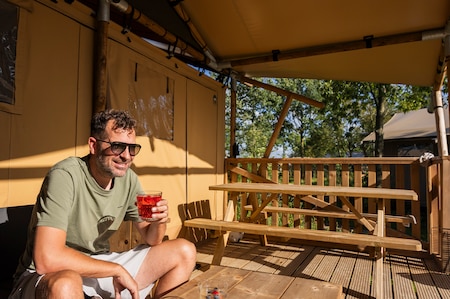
x=405, y=276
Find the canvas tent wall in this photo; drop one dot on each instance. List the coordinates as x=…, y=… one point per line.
x=410, y=133
x=50, y=118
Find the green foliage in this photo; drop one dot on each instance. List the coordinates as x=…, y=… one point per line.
x=337, y=130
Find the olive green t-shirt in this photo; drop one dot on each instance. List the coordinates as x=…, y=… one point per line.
x=71, y=200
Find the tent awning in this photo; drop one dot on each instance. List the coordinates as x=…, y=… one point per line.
x=413, y=124
x=378, y=41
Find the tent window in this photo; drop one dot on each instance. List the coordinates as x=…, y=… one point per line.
x=8, y=32
x=151, y=98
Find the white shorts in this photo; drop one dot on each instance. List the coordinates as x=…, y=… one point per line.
x=102, y=288
x=131, y=260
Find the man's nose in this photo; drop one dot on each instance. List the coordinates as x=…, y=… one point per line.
x=126, y=153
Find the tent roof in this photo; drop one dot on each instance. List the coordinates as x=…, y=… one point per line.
x=242, y=29
x=332, y=38
x=412, y=124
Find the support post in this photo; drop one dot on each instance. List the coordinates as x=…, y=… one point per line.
x=379, y=251
x=233, y=145
x=444, y=228
x=222, y=240
x=440, y=122
x=101, y=44
x=277, y=130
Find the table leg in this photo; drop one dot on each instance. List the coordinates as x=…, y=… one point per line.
x=223, y=238
x=257, y=209
x=361, y=218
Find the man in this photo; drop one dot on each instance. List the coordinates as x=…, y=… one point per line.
x=81, y=203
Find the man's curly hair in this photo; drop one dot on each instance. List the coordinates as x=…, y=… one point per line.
x=122, y=120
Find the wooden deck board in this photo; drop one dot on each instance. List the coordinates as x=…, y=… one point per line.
x=307, y=268
x=422, y=279
x=387, y=282
x=286, y=256
x=441, y=280
x=275, y=261
x=402, y=284
x=388, y=293
x=353, y=270
x=344, y=269
x=326, y=268
x=238, y=254
x=299, y=254
x=241, y=254
x=361, y=279
x=256, y=258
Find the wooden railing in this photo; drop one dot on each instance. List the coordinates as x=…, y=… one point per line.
x=435, y=209
x=401, y=173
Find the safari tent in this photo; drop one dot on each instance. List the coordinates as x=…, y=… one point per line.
x=411, y=133
x=181, y=114
x=75, y=57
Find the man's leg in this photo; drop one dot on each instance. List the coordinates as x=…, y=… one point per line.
x=64, y=284
x=172, y=262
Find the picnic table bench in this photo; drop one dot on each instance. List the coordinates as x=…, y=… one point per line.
x=378, y=239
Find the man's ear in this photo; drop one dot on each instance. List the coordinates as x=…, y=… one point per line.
x=92, y=143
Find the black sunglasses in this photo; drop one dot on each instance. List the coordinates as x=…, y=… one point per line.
x=119, y=147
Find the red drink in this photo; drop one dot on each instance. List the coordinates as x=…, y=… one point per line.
x=145, y=203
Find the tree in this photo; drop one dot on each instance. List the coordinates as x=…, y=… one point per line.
x=358, y=108
x=302, y=120
x=352, y=110
x=258, y=110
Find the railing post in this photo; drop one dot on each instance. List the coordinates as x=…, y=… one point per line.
x=432, y=190
x=444, y=215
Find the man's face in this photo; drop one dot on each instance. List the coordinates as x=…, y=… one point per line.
x=108, y=163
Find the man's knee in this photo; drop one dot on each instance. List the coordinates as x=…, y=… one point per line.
x=61, y=284
x=187, y=250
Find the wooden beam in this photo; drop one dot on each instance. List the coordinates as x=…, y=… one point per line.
x=289, y=97
x=277, y=130
x=193, y=29
x=364, y=43
x=233, y=145
x=254, y=177
x=283, y=92
x=100, y=81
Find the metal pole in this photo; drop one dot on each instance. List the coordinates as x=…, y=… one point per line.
x=436, y=99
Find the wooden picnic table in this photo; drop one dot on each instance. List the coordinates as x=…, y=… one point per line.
x=310, y=193
x=246, y=284
x=318, y=190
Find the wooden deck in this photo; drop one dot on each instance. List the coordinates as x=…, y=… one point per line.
x=405, y=276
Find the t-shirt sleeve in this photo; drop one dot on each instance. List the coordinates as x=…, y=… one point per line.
x=55, y=200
